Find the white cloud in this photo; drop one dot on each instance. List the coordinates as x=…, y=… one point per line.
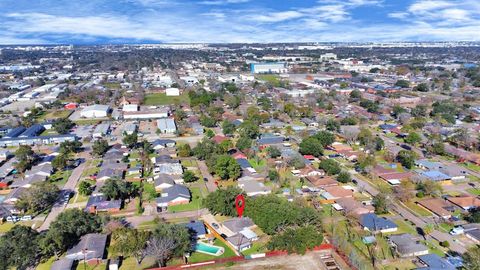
x=223, y=2
x=276, y=16
x=428, y=5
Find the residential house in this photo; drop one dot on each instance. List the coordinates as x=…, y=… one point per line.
x=352, y=207
x=162, y=143
x=336, y=192
x=166, y=125
x=175, y=195
x=163, y=181
x=62, y=264
x=91, y=248
x=239, y=242
x=434, y=262
x=375, y=224
x=238, y=224
x=197, y=228
x=322, y=181
x=437, y=176
x=439, y=207
x=407, y=246
x=466, y=202
x=253, y=187
x=99, y=203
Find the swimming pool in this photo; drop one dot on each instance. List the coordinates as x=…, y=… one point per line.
x=209, y=249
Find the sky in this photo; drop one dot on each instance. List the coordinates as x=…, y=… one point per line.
x=236, y=21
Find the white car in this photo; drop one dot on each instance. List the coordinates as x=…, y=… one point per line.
x=12, y=219
x=25, y=218
x=457, y=230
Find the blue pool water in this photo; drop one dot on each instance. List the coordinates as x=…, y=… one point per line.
x=207, y=248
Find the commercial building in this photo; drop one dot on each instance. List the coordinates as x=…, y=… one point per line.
x=175, y=92
x=95, y=111
x=150, y=114
x=267, y=68
x=38, y=140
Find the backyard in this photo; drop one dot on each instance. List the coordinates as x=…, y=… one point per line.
x=195, y=203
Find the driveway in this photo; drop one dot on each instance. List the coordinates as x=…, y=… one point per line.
x=204, y=170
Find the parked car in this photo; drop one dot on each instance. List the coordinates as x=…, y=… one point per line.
x=12, y=219
x=215, y=226
x=457, y=230
x=26, y=218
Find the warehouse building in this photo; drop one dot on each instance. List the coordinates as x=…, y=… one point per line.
x=95, y=111
x=268, y=68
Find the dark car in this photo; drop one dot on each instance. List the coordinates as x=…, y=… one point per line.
x=215, y=226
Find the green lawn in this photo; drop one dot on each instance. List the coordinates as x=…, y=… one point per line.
x=55, y=115
x=189, y=163
x=60, y=178
x=257, y=247
x=404, y=227
x=85, y=122
x=162, y=99
x=259, y=164
x=131, y=263
x=445, y=227
x=200, y=257
x=112, y=85
x=272, y=79
x=471, y=166
x=7, y=226
x=46, y=265
x=195, y=203
x=82, y=266
x=474, y=191
x=420, y=211
x=149, y=193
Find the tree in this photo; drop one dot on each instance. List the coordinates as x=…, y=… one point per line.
x=115, y=189
x=430, y=188
x=100, y=147
x=25, y=157
x=422, y=87
x=222, y=201
x=226, y=167
x=60, y=161
x=243, y=143
x=184, y=150
x=189, y=176
x=209, y=133
x=296, y=240
x=273, y=152
x=379, y=143
x=419, y=111
x=405, y=191
x=397, y=110
x=413, y=138
x=471, y=258
x=380, y=203
x=130, y=140
x=366, y=161
x=167, y=241
x=325, y=138
x=402, y=83
x=355, y=94
x=63, y=125
x=85, y=188
x=204, y=149
x=311, y=146
x=332, y=125
x=330, y=166
x=272, y=214
x=69, y=147
x=344, y=177
x=437, y=148
x=19, y=248
x=38, y=197
x=130, y=242
x=249, y=129
x=228, y=127
x=407, y=158
x=273, y=175
x=66, y=230
x=296, y=161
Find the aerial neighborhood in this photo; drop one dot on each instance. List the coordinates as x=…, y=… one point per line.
x=344, y=158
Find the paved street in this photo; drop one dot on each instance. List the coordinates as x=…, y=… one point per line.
x=137, y=220
x=69, y=186
x=204, y=170
x=403, y=212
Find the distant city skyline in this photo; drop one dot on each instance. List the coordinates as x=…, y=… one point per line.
x=236, y=21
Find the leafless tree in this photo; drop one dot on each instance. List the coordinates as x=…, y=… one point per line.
x=162, y=248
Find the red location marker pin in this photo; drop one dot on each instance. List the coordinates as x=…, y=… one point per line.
x=240, y=204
